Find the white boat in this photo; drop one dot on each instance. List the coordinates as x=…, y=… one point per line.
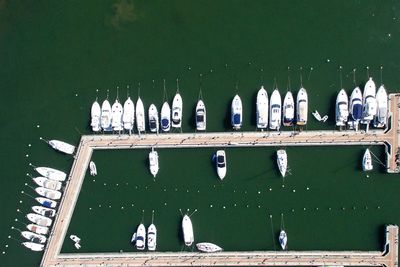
x=382, y=107
x=48, y=212
x=208, y=247
x=236, y=113
x=116, y=116
x=318, y=116
x=220, y=161
x=39, y=219
x=262, y=109
x=367, y=161
x=105, y=119
x=275, y=111
x=176, y=120
x=288, y=109
x=141, y=237
x=48, y=193
x=187, y=229
x=201, y=122
x=95, y=114
x=34, y=237
x=152, y=237
x=128, y=118
x=140, y=116
x=165, y=117
x=283, y=239
x=153, y=119
x=153, y=162
x=369, y=102
x=33, y=246
x=47, y=183
x=62, y=146
x=355, y=107
x=281, y=160
x=302, y=107
x=51, y=173
x=342, y=108
x=75, y=238
x=92, y=168
x=48, y=203
x=42, y=230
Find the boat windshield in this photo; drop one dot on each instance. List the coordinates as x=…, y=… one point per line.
x=221, y=161
x=276, y=106
x=236, y=118
x=153, y=124
x=164, y=122
x=199, y=118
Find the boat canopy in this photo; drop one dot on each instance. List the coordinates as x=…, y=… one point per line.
x=236, y=118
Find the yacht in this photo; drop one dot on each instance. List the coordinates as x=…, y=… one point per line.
x=95, y=114
x=177, y=111
x=48, y=193
x=92, y=168
x=367, y=161
x=105, y=119
x=275, y=112
x=153, y=119
x=220, y=161
x=62, y=146
x=128, y=118
x=262, y=108
x=380, y=120
x=208, y=247
x=51, y=173
x=33, y=237
x=153, y=161
x=187, y=229
x=302, y=107
x=283, y=239
x=47, y=183
x=281, y=160
x=48, y=203
x=140, y=116
x=236, y=113
x=201, y=116
x=44, y=211
x=141, y=237
x=116, y=117
x=33, y=246
x=342, y=108
x=42, y=230
x=369, y=102
x=39, y=219
x=288, y=109
x=165, y=117
x=152, y=237
x=355, y=109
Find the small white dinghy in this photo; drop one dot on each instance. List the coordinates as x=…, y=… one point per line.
x=187, y=229
x=48, y=193
x=177, y=111
x=48, y=212
x=283, y=239
x=75, y=238
x=47, y=183
x=281, y=160
x=208, y=247
x=152, y=237
x=201, y=118
x=153, y=119
x=141, y=237
x=128, y=118
x=95, y=114
x=62, y=146
x=51, y=173
x=33, y=237
x=48, y=203
x=42, y=230
x=39, y=219
x=153, y=162
x=140, y=116
x=33, y=246
x=165, y=117
x=92, y=168
x=367, y=161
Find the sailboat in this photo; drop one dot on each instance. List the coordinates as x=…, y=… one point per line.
x=48, y=193
x=302, y=107
x=140, y=116
x=153, y=119
x=236, y=113
x=141, y=237
x=187, y=229
x=39, y=219
x=51, y=173
x=116, y=117
x=44, y=211
x=128, y=118
x=262, y=108
x=281, y=160
x=342, y=108
x=105, y=119
x=48, y=203
x=165, y=117
x=62, y=146
x=201, y=122
x=95, y=114
x=367, y=161
x=47, y=183
x=33, y=246
x=355, y=109
x=153, y=162
x=275, y=112
x=92, y=168
x=37, y=238
x=288, y=109
x=42, y=230
x=208, y=247
x=369, y=102
x=382, y=107
x=177, y=111
x=152, y=237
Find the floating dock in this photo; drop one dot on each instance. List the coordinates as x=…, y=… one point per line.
x=388, y=137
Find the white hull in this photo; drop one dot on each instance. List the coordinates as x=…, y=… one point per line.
x=281, y=161
x=116, y=117
x=62, y=146
x=283, y=239
x=141, y=237
x=140, y=116
x=177, y=111
x=153, y=162
x=302, y=107
x=39, y=219
x=187, y=229
x=355, y=106
x=33, y=237
x=47, y=212
x=201, y=122
x=153, y=119
x=41, y=230
x=165, y=117
x=51, y=173
x=47, y=183
x=33, y=246
x=275, y=110
x=128, y=118
x=48, y=203
x=105, y=119
x=236, y=113
x=48, y=193
x=92, y=168
x=342, y=108
x=367, y=161
x=369, y=102
x=152, y=237
x=95, y=114
x=208, y=247
x=262, y=108
x=380, y=120
x=220, y=161
x=288, y=109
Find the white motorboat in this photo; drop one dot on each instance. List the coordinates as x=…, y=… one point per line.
x=220, y=161
x=42, y=230
x=62, y=146
x=201, y=122
x=116, y=116
x=39, y=219
x=177, y=111
x=165, y=117
x=288, y=109
x=140, y=116
x=51, y=173
x=281, y=160
x=208, y=247
x=283, y=239
x=262, y=109
x=48, y=212
x=33, y=246
x=382, y=107
x=153, y=162
x=275, y=110
x=92, y=168
x=48, y=193
x=302, y=107
x=128, y=118
x=75, y=238
x=105, y=119
x=153, y=119
x=47, y=183
x=236, y=113
x=355, y=108
x=187, y=229
x=95, y=114
x=34, y=237
x=369, y=102
x=141, y=237
x=367, y=161
x=152, y=237
x=48, y=203
x=342, y=108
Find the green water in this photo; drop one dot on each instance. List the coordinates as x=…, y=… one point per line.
x=54, y=55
